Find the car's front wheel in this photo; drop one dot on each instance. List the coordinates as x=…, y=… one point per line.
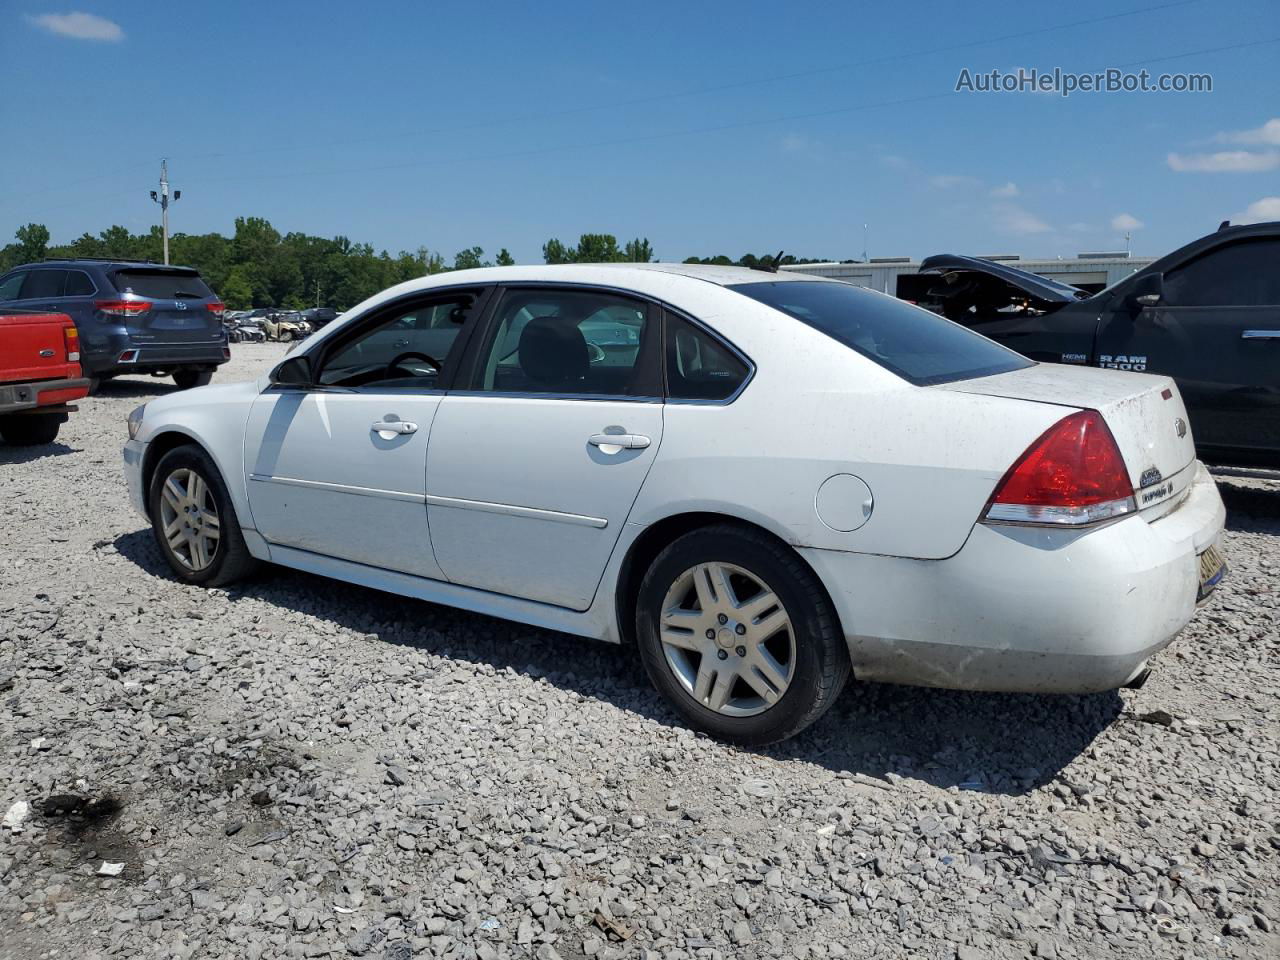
x=737, y=632
x=194, y=521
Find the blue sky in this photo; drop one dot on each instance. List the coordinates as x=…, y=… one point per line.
x=707, y=127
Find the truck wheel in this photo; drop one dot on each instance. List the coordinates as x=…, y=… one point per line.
x=32, y=429
x=186, y=379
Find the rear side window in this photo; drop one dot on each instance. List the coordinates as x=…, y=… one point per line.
x=43, y=284
x=699, y=367
x=919, y=346
x=162, y=284
x=78, y=284
x=11, y=285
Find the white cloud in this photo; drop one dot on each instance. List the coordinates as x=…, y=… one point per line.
x=1126, y=221
x=1226, y=161
x=79, y=26
x=949, y=181
x=1010, y=218
x=1009, y=189
x=1260, y=211
x=1268, y=133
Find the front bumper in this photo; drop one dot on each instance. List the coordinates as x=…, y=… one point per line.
x=21, y=397
x=1027, y=609
x=134, y=452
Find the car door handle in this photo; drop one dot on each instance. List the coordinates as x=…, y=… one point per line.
x=400, y=344
x=1260, y=335
x=623, y=441
x=389, y=428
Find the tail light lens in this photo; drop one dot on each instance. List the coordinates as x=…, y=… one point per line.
x=123, y=308
x=1073, y=475
x=217, y=308
x=71, y=340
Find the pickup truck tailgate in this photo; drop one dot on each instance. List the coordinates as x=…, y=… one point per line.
x=35, y=348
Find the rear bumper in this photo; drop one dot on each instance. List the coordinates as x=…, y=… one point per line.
x=22, y=397
x=1024, y=609
x=104, y=356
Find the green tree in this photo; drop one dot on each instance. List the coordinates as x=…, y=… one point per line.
x=598, y=248
x=504, y=259
x=638, y=251
x=33, y=242
x=553, y=251
x=236, y=291
x=469, y=259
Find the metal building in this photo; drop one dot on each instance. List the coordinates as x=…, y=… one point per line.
x=1088, y=271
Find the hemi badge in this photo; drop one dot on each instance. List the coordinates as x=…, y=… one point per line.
x=1167, y=393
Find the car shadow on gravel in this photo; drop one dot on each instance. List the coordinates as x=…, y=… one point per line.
x=135, y=388
x=10, y=454
x=996, y=743
x=1248, y=504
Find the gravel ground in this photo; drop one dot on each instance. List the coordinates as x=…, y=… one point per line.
x=302, y=768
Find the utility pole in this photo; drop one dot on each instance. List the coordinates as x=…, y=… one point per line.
x=317, y=293
x=1127, y=237
x=162, y=197
x=864, y=243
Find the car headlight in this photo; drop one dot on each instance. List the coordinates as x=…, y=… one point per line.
x=135, y=421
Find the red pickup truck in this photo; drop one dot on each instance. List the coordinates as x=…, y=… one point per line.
x=39, y=375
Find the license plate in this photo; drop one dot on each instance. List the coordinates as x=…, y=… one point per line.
x=1212, y=569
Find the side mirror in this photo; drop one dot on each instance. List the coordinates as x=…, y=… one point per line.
x=1148, y=290
x=293, y=372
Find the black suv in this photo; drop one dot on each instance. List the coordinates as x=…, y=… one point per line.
x=133, y=317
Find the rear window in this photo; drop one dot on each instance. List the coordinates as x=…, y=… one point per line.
x=163, y=284
x=919, y=346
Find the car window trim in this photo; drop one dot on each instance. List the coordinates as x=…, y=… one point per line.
x=480, y=341
x=379, y=314
x=716, y=336
x=84, y=273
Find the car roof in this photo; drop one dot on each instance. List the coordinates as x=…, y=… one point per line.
x=621, y=274
x=106, y=263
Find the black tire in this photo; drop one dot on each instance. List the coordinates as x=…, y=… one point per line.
x=31, y=429
x=821, y=657
x=186, y=379
x=231, y=560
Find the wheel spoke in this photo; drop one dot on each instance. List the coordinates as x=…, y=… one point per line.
x=682, y=639
x=719, y=695
x=770, y=625
x=199, y=551
x=719, y=579
x=756, y=681
x=196, y=490
x=176, y=536
x=174, y=494
x=769, y=670
x=212, y=524
x=758, y=605
x=173, y=527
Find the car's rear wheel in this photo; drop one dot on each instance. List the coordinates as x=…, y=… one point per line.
x=186, y=379
x=194, y=521
x=30, y=429
x=737, y=632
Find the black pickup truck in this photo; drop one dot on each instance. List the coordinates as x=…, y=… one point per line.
x=1207, y=314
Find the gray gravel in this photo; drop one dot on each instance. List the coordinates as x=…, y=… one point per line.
x=302, y=768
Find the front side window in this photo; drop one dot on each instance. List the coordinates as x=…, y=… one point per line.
x=406, y=351
x=917, y=345
x=11, y=286
x=699, y=367
x=569, y=342
x=1241, y=274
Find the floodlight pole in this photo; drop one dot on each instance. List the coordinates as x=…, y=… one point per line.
x=162, y=197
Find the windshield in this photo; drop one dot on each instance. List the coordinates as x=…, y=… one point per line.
x=163, y=284
x=917, y=345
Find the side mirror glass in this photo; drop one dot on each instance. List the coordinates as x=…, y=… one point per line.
x=1148, y=291
x=293, y=372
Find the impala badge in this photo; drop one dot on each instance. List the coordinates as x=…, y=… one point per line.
x=1150, y=477
x=1180, y=427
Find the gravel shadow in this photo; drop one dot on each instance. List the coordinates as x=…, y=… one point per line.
x=1245, y=501
x=149, y=387
x=11, y=454
x=943, y=737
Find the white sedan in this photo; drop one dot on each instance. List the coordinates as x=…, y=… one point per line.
x=764, y=481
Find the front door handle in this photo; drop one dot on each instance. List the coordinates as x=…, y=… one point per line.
x=619, y=441
x=387, y=429
x=1260, y=335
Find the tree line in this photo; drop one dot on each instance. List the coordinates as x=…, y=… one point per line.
x=260, y=267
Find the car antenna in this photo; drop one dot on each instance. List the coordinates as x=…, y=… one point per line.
x=769, y=267
x=1224, y=224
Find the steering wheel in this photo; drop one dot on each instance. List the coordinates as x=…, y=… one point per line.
x=595, y=352
x=401, y=357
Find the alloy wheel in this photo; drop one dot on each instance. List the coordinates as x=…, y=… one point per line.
x=728, y=639
x=189, y=518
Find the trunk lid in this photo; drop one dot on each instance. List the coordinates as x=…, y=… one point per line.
x=33, y=347
x=1145, y=414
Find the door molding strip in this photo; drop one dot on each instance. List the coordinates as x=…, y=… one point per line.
x=341, y=488
x=511, y=510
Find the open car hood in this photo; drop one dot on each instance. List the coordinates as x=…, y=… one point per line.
x=1047, y=292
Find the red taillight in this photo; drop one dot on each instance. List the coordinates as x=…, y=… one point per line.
x=71, y=340
x=1074, y=474
x=123, y=308
x=217, y=308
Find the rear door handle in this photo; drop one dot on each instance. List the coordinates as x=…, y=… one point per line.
x=387, y=429
x=1260, y=335
x=623, y=441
